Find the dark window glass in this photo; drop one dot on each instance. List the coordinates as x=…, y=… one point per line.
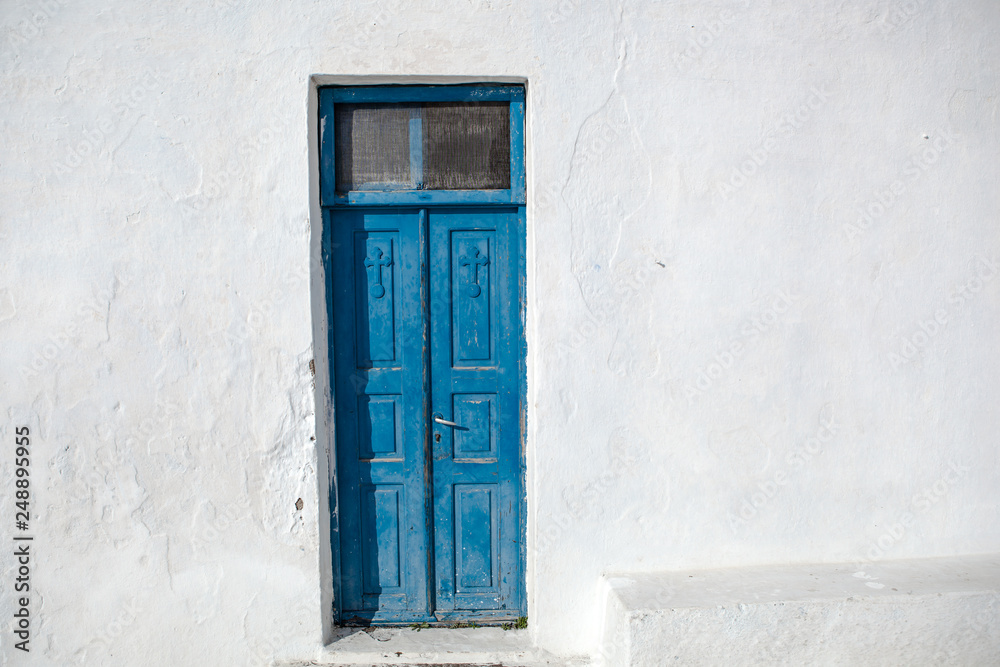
x=373, y=146
x=432, y=146
x=466, y=146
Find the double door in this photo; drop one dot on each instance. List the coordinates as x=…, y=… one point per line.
x=428, y=377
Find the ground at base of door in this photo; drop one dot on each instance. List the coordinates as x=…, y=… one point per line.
x=432, y=647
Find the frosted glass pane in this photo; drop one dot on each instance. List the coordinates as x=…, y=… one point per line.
x=431, y=146
x=466, y=146
x=373, y=146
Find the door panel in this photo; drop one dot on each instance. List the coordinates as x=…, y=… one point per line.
x=475, y=376
x=381, y=405
x=479, y=415
x=427, y=323
x=381, y=553
x=473, y=321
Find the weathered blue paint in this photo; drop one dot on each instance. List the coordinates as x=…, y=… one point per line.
x=517, y=173
x=403, y=197
x=475, y=382
x=426, y=309
x=378, y=276
x=395, y=195
x=416, y=149
x=422, y=93
x=327, y=153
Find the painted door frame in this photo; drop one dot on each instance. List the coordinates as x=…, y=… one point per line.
x=330, y=200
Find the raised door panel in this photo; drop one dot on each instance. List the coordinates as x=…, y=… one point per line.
x=473, y=320
x=475, y=375
x=378, y=319
x=376, y=298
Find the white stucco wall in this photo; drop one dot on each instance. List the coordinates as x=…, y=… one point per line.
x=794, y=362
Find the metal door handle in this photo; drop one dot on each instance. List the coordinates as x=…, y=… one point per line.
x=444, y=422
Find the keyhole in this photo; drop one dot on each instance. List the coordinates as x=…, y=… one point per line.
x=437, y=437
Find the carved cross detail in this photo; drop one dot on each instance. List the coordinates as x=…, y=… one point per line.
x=474, y=262
x=376, y=260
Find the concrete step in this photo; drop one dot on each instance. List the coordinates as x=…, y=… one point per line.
x=942, y=611
x=465, y=647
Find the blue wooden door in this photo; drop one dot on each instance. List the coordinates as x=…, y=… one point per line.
x=475, y=407
x=428, y=368
x=381, y=382
x=423, y=196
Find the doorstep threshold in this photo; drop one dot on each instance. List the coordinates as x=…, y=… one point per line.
x=464, y=647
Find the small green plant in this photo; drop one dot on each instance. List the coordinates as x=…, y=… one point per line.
x=462, y=624
x=520, y=624
x=419, y=626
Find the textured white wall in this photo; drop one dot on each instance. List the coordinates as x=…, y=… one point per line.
x=763, y=256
